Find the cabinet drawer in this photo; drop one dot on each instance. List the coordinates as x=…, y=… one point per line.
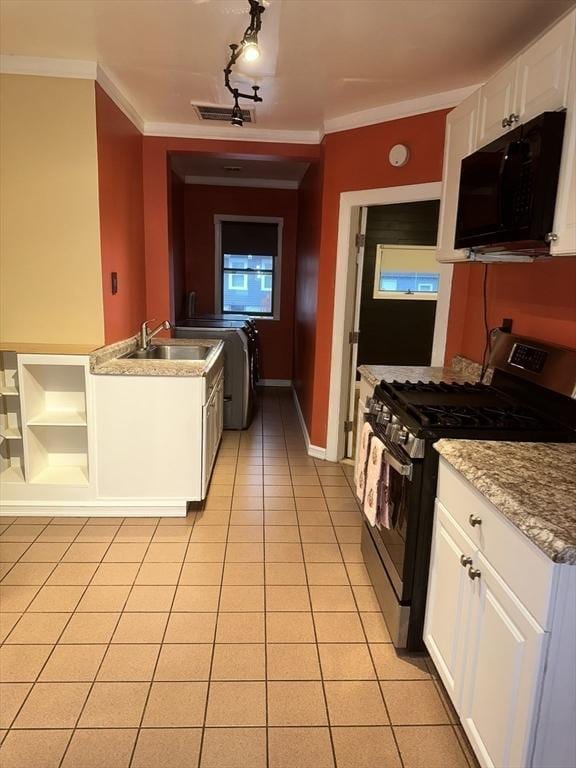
x=527, y=571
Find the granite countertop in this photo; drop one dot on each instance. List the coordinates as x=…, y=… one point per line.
x=375, y=373
x=109, y=361
x=532, y=484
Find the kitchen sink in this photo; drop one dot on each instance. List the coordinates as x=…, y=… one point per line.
x=168, y=352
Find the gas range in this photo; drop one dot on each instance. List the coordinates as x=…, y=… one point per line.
x=532, y=398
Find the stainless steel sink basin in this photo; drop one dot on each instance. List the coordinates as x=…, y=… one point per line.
x=167, y=352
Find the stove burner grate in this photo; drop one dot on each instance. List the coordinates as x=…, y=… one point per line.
x=509, y=417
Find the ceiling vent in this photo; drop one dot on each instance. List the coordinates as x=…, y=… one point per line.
x=221, y=114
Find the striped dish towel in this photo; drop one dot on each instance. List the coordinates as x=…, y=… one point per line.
x=373, y=489
x=360, y=470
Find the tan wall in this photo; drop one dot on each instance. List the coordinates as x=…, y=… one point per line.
x=50, y=273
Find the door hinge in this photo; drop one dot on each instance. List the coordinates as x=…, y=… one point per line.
x=348, y=426
x=360, y=240
x=354, y=337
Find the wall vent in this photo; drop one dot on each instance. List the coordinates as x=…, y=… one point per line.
x=221, y=114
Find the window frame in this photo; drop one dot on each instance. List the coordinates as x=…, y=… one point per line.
x=381, y=249
x=276, y=272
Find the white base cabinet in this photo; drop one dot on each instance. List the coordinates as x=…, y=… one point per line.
x=506, y=656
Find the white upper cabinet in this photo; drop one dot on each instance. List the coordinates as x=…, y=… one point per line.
x=497, y=105
x=565, y=214
x=460, y=141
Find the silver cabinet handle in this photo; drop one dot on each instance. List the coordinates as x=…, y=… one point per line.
x=473, y=573
x=474, y=520
x=513, y=118
x=506, y=122
x=465, y=560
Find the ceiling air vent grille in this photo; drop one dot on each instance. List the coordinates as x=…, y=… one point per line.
x=221, y=114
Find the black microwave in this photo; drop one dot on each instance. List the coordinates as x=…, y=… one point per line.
x=508, y=188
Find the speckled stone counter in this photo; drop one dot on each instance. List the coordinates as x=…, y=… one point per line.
x=532, y=484
x=375, y=373
x=110, y=361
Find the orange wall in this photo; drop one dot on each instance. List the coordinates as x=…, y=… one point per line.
x=540, y=298
x=121, y=218
x=201, y=204
x=353, y=160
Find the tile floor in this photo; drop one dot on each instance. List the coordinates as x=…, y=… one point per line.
x=246, y=635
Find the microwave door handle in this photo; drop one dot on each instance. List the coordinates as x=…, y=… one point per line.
x=506, y=189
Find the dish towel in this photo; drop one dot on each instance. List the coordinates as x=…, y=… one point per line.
x=363, y=448
x=373, y=491
x=383, y=510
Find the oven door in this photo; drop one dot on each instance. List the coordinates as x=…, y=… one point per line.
x=396, y=545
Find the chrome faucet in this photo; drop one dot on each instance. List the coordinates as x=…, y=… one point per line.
x=146, y=335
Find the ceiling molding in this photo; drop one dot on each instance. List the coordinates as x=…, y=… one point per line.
x=225, y=181
x=191, y=131
x=107, y=83
x=35, y=65
x=399, y=109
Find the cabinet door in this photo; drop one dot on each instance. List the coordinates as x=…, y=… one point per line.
x=460, y=141
x=503, y=669
x=207, y=443
x=450, y=591
x=543, y=71
x=497, y=103
x=565, y=213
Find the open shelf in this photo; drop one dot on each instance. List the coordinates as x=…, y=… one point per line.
x=8, y=391
x=8, y=374
x=55, y=395
x=61, y=475
x=58, y=419
x=10, y=419
x=10, y=433
x=58, y=454
x=11, y=461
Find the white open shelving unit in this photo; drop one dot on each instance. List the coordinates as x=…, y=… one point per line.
x=11, y=445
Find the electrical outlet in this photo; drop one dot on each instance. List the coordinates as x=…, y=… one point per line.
x=506, y=325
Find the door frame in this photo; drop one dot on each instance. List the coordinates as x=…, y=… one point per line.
x=340, y=372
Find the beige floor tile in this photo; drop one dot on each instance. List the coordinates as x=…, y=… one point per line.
x=317, y=534
x=338, y=628
x=366, y=599
x=296, y=703
x=23, y=749
x=158, y=574
x=244, y=661
x=72, y=574
x=165, y=553
x=283, y=553
x=212, y=517
x=254, y=503
x=346, y=661
x=308, y=491
x=429, y=747
x=108, y=599
x=277, y=491
x=292, y=661
x=280, y=517
x=11, y=552
x=234, y=748
x=73, y=663
x=114, y=705
x=97, y=533
x=201, y=574
x=184, y=662
x=236, y=704
x=365, y=747
x=240, y=628
x=167, y=747
x=126, y=552
x=26, y=574
x=282, y=533
x=278, y=504
x=310, y=517
x=322, y=553
x=11, y=697
x=16, y=599
x=59, y=533
x=292, y=598
x=190, y=628
x=289, y=627
x=245, y=552
x=128, y=663
x=89, y=628
x=21, y=532
x=331, y=480
x=248, y=492
x=412, y=702
x=210, y=534
x=243, y=574
x=218, y=504
x=57, y=599
x=311, y=505
x=84, y=553
x=326, y=574
x=350, y=534
x=196, y=598
x=134, y=534
x=302, y=747
x=355, y=703
x=52, y=705
x=236, y=599
x=246, y=517
x=351, y=553
x=100, y=748
x=358, y=574
x=150, y=598
x=394, y=665
x=205, y=553
x=332, y=599
x=375, y=627
x=285, y=574
x=238, y=534
x=140, y=628
x=114, y=574
x=172, y=534
x=7, y=623
x=175, y=705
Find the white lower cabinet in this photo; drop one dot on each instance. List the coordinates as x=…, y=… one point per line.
x=515, y=696
x=213, y=422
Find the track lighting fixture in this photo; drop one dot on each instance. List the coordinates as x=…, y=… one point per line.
x=249, y=50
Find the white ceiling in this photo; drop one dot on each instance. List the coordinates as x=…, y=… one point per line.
x=322, y=59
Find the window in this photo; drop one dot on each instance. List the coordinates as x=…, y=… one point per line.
x=406, y=272
x=248, y=266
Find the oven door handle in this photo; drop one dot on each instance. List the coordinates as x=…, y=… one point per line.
x=398, y=466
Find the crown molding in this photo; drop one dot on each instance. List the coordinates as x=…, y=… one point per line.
x=113, y=90
x=191, y=131
x=35, y=65
x=225, y=181
x=399, y=109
